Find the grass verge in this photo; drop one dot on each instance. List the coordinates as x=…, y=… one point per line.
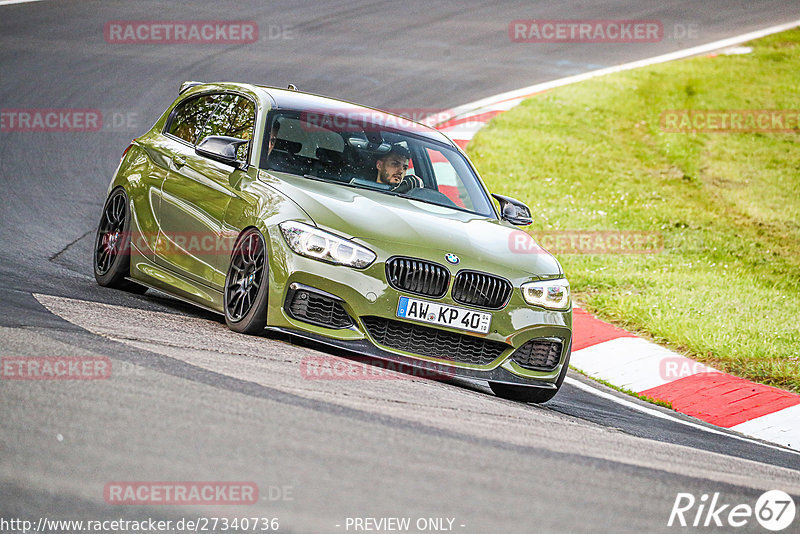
x=593, y=156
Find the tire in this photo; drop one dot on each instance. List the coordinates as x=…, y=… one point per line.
x=246, y=284
x=112, y=244
x=529, y=393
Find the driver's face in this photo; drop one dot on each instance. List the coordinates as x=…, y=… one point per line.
x=391, y=169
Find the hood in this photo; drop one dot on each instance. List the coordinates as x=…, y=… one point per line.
x=404, y=226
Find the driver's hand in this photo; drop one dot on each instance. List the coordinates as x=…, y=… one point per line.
x=408, y=183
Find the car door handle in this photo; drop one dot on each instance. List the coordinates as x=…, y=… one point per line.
x=178, y=161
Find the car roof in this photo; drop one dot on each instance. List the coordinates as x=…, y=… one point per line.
x=298, y=100
x=292, y=99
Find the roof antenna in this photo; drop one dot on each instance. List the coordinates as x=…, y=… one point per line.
x=292, y=87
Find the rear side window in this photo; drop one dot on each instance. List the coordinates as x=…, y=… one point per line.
x=190, y=117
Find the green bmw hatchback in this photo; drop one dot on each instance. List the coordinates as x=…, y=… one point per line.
x=342, y=224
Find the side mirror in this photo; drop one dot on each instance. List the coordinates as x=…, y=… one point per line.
x=221, y=148
x=514, y=211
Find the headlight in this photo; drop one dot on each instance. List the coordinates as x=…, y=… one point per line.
x=551, y=294
x=314, y=243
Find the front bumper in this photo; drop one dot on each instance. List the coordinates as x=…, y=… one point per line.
x=365, y=293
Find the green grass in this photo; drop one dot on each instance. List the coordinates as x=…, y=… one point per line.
x=725, y=290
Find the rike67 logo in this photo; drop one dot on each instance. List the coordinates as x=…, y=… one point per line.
x=774, y=510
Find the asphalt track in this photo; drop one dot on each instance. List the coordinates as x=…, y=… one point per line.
x=189, y=401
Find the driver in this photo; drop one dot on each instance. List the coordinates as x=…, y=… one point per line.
x=392, y=170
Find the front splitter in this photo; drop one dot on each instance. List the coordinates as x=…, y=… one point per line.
x=414, y=366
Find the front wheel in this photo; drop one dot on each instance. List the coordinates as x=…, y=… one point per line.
x=528, y=393
x=245, y=298
x=112, y=244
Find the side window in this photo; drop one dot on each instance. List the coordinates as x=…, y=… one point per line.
x=447, y=179
x=235, y=117
x=243, y=121
x=190, y=117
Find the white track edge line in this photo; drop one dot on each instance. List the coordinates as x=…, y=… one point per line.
x=679, y=54
x=12, y=2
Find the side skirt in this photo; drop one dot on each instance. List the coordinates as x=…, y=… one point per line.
x=156, y=277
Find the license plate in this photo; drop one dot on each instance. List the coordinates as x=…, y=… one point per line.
x=444, y=315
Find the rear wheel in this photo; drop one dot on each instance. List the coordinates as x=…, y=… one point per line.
x=112, y=244
x=528, y=393
x=245, y=298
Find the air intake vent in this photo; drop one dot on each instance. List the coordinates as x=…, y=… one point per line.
x=418, y=276
x=316, y=308
x=538, y=354
x=481, y=289
x=432, y=342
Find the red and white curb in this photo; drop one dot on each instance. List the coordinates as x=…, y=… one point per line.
x=604, y=351
x=607, y=352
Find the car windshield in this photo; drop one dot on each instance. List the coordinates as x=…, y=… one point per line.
x=367, y=156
